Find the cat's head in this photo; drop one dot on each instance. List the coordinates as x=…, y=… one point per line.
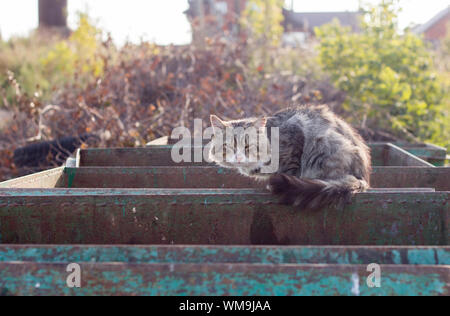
x=237, y=144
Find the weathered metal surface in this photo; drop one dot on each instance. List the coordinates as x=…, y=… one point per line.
x=215, y=177
x=218, y=217
x=132, y=157
x=226, y=254
x=433, y=154
x=398, y=177
x=45, y=179
x=386, y=154
x=382, y=155
x=207, y=177
x=24, y=278
x=157, y=177
x=240, y=217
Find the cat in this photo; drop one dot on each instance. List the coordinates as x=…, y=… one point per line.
x=323, y=161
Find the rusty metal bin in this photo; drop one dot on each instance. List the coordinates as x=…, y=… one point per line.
x=196, y=229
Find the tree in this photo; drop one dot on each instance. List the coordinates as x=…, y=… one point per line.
x=390, y=78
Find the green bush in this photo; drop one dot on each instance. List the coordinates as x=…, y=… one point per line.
x=77, y=55
x=20, y=58
x=262, y=21
x=41, y=64
x=390, y=79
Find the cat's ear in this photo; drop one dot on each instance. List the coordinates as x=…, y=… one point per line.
x=216, y=123
x=261, y=122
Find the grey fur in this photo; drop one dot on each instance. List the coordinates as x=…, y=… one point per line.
x=323, y=160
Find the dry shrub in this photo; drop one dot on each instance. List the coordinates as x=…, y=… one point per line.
x=145, y=91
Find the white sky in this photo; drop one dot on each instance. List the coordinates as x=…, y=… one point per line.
x=163, y=21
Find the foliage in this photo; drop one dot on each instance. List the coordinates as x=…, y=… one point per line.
x=302, y=61
x=442, y=59
x=21, y=57
x=390, y=78
x=77, y=55
x=42, y=63
x=130, y=95
x=149, y=91
x=262, y=20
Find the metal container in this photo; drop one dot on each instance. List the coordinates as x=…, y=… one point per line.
x=137, y=223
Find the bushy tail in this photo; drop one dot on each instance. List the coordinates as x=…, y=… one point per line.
x=315, y=194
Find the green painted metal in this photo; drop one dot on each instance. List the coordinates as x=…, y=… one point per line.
x=395, y=156
x=383, y=154
x=399, y=177
x=221, y=216
x=226, y=254
x=215, y=177
x=156, y=177
x=133, y=157
x=185, y=231
x=208, y=177
x=221, y=279
x=433, y=154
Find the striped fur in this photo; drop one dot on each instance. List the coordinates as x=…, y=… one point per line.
x=323, y=160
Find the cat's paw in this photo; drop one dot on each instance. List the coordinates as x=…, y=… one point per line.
x=278, y=184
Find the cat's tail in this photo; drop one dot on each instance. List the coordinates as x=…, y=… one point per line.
x=315, y=194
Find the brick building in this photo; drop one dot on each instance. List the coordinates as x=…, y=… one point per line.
x=224, y=15
x=214, y=16
x=436, y=29
x=299, y=26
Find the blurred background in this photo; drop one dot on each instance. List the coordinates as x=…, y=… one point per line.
x=121, y=73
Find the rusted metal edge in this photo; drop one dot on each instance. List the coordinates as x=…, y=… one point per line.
x=226, y=254
x=134, y=157
x=163, y=192
x=222, y=279
x=401, y=190
x=208, y=177
x=221, y=217
x=435, y=177
x=247, y=194
x=215, y=177
x=428, y=152
x=383, y=154
x=400, y=157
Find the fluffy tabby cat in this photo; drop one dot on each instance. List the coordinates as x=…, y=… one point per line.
x=322, y=159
